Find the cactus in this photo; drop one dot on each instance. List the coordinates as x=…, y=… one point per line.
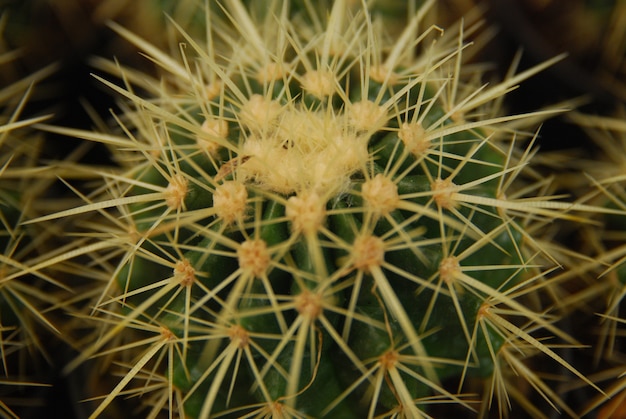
x=310, y=218
x=606, y=271
x=28, y=292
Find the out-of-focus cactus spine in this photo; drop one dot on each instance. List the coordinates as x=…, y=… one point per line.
x=27, y=291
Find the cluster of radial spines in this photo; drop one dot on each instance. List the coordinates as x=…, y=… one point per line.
x=245, y=138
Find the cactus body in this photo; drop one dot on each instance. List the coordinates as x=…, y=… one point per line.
x=311, y=219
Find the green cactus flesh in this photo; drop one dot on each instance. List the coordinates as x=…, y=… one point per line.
x=319, y=232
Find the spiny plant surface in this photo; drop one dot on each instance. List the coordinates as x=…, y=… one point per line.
x=25, y=289
x=605, y=172
x=314, y=218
